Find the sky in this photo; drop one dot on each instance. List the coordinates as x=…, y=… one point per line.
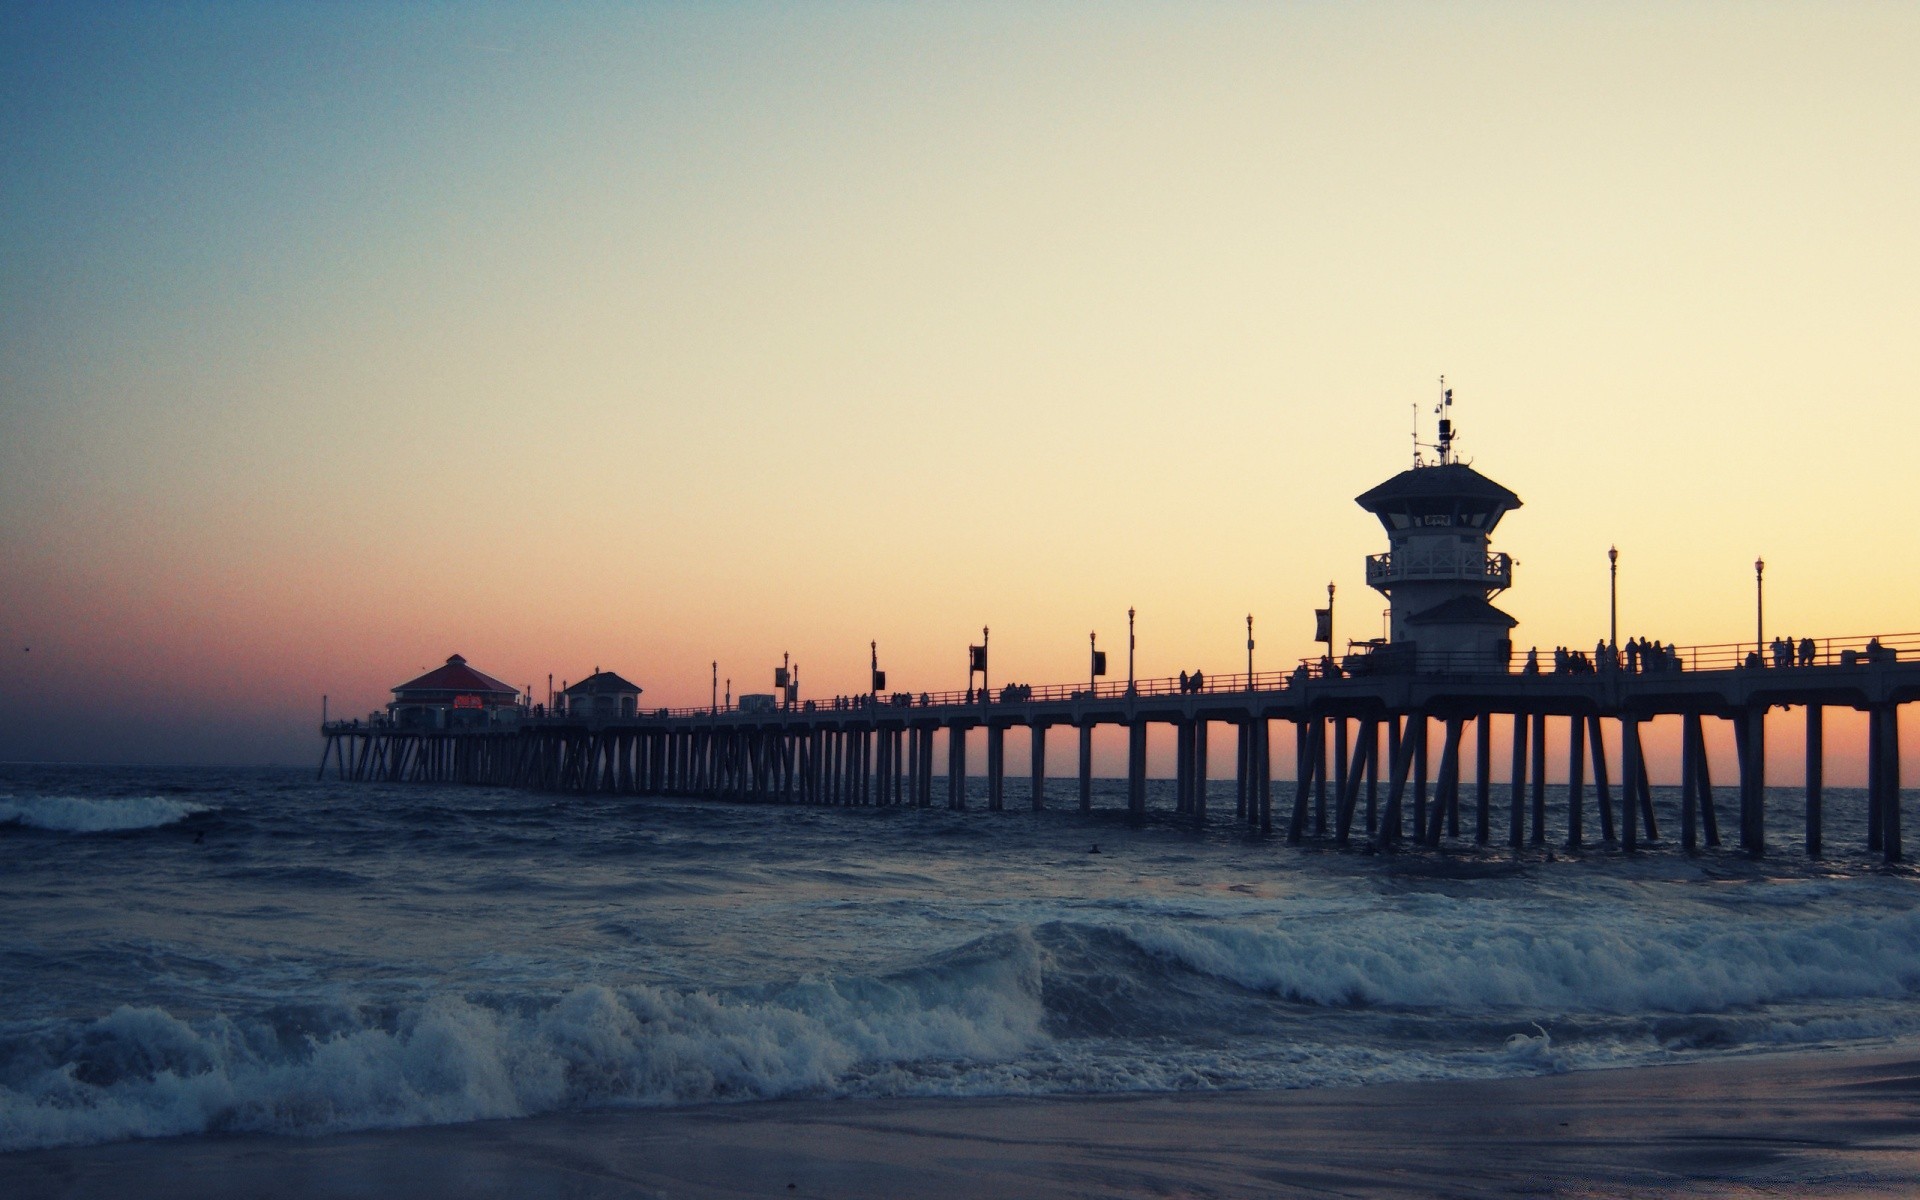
x=337, y=339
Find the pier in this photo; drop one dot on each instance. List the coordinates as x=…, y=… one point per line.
x=1384, y=759
x=1380, y=735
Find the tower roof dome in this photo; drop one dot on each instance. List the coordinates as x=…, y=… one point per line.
x=1447, y=483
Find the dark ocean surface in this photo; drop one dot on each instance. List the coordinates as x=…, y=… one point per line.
x=192, y=950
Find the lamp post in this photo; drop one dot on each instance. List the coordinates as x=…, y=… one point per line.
x=1093, y=662
x=1329, y=622
x=1249, y=651
x=1760, y=609
x=1613, y=598
x=715, y=703
x=1129, y=651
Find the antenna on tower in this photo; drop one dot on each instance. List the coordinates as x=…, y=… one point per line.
x=1445, y=411
x=1416, y=435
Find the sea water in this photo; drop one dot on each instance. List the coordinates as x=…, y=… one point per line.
x=192, y=950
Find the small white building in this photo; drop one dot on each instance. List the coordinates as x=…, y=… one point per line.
x=602, y=696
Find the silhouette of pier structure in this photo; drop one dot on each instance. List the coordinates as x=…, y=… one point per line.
x=1380, y=736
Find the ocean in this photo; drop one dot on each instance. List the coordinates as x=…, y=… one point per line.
x=200, y=950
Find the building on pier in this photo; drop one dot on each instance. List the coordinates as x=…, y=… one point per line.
x=453, y=696
x=603, y=695
x=1439, y=573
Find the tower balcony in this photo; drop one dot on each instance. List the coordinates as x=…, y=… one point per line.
x=1441, y=563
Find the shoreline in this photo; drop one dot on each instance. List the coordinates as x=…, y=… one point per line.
x=1818, y=1123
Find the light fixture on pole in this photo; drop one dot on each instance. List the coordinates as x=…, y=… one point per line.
x=715, y=703
x=1330, y=620
x=1759, y=609
x=1129, y=651
x=1249, y=651
x=1613, y=598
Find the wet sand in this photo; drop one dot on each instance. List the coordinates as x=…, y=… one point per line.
x=1786, y=1125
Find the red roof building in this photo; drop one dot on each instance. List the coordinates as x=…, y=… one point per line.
x=452, y=696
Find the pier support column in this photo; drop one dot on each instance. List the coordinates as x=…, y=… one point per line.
x=1602, y=788
x=1629, y=773
x=1446, y=796
x=1373, y=778
x=1263, y=772
x=913, y=768
x=1417, y=730
x=926, y=765
x=1815, y=776
x=1890, y=819
x=996, y=767
x=1539, y=779
x=1750, y=735
x=1359, y=768
x=1242, y=777
x=1330, y=730
x=1709, y=813
x=956, y=768
x=888, y=790
x=1182, y=766
x=1039, y=755
x=1137, y=767
x=1403, y=754
x=1482, y=778
x=1689, y=786
x=1883, y=781
x=1576, y=780
x=1517, y=823
x=1200, y=772
x=1086, y=766
x=1643, y=789
x=1309, y=743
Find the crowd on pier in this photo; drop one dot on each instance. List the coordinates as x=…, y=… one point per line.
x=1638, y=657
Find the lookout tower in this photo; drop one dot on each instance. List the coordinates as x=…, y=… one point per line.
x=1438, y=572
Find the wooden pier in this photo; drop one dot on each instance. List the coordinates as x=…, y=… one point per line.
x=1366, y=731
x=1376, y=758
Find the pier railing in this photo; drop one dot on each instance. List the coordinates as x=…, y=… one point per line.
x=1783, y=654
x=1806, y=654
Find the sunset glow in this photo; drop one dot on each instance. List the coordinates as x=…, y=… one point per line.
x=335, y=342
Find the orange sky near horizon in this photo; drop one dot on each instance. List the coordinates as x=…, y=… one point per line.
x=332, y=344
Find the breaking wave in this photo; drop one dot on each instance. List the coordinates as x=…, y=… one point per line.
x=85, y=814
x=1140, y=1003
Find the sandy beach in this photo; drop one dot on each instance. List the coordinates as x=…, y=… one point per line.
x=1800, y=1125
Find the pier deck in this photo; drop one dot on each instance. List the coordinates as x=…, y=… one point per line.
x=881, y=749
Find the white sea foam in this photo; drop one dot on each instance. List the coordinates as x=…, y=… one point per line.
x=86, y=814
x=1489, y=956
x=142, y=1072
x=974, y=1021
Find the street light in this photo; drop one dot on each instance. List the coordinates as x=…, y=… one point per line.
x=715, y=705
x=1613, y=598
x=1249, y=651
x=1759, y=609
x=1129, y=651
x=1329, y=623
